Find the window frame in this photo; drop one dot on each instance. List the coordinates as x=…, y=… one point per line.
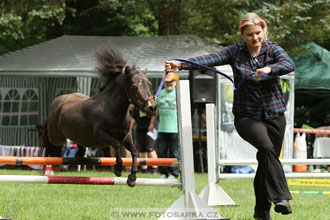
x=24, y=97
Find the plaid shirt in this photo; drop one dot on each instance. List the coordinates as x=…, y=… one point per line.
x=260, y=98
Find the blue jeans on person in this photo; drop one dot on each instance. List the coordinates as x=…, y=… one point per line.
x=70, y=152
x=168, y=148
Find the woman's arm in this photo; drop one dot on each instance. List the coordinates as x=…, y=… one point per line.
x=282, y=64
x=221, y=57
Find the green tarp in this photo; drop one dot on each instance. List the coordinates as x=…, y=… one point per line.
x=312, y=68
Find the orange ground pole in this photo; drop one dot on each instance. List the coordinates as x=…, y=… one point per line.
x=103, y=161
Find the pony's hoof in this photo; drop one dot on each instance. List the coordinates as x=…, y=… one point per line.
x=131, y=180
x=118, y=170
x=131, y=183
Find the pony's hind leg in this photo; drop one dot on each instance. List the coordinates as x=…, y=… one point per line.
x=119, y=162
x=51, y=150
x=116, y=145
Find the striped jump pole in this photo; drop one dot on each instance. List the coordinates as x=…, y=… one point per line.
x=102, y=161
x=311, y=131
x=283, y=161
x=287, y=175
x=85, y=180
x=311, y=192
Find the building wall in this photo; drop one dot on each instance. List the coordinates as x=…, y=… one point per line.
x=18, y=115
x=43, y=90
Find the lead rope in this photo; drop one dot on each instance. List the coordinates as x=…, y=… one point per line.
x=207, y=68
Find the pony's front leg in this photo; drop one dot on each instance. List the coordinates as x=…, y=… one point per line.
x=128, y=143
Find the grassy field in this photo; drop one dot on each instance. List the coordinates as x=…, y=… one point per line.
x=87, y=202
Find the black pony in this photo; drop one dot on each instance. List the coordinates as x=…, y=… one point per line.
x=101, y=120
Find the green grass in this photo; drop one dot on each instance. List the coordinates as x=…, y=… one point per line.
x=88, y=202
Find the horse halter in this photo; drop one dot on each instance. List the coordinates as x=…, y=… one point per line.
x=150, y=108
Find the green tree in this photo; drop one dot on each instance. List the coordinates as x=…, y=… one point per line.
x=298, y=21
x=27, y=22
x=169, y=17
x=112, y=18
x=290, y=22
x=216, y=20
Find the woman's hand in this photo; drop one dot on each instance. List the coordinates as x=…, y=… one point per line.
x=262, y=72
x=151, y=127
x=171, y=66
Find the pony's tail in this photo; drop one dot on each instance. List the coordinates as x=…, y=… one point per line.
x=49, y=149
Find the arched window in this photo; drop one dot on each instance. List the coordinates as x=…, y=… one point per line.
x=11, y=103
x=29, y=108
x=19, y=107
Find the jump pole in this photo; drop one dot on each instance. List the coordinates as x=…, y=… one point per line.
x=213, y=194
x=287, y=175
x=283, y=161
x=189, y=202
x=84, y=180
x=102, y=161
x=311, y=131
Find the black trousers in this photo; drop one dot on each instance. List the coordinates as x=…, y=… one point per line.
x=269, y=183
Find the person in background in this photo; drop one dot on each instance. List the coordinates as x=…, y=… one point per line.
x=167, y=141
x=145, y=144
x=69, y=151
x=258, y=106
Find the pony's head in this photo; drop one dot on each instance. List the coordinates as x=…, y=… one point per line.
x=138, y=90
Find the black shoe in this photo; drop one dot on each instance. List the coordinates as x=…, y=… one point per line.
x=283, y=207
x=257, y=218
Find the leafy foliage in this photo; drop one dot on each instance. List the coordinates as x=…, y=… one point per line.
x=291, y=22
x=24, y=22
x=27, y=22
x=297, y=21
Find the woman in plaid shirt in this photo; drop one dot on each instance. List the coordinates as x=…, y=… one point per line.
x=258, y=106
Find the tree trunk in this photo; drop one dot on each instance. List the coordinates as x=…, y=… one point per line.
x=169, y=17
x=53, y=30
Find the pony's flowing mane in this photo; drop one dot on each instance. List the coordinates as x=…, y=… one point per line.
x=128, y=71
x=111, y=62
x=110, y=59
